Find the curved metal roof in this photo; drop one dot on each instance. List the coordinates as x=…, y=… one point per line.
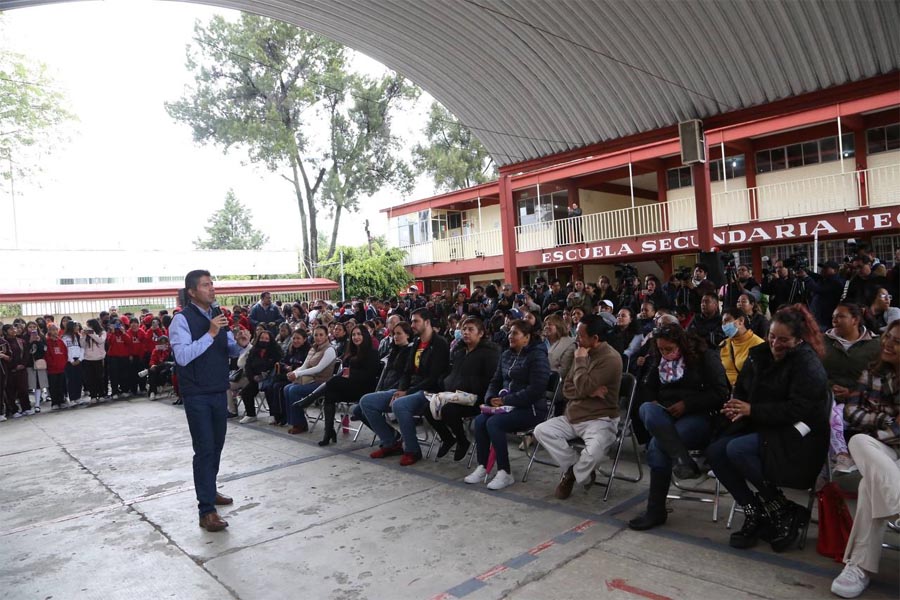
x=538, y=77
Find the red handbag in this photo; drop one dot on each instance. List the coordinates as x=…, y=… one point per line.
x=835, y=522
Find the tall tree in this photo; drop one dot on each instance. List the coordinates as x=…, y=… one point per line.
x=370, y=270
x=231, y=228
x=285, y=97
x=32, y=114
x=453, y=157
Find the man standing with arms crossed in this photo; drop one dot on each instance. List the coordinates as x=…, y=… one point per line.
x=202, y=344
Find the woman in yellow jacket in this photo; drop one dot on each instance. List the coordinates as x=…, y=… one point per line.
x=739, y=338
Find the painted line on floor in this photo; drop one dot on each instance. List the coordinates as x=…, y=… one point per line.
x=517, y=562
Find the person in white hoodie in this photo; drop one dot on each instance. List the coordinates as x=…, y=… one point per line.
x=72, y=337
x=94, y=355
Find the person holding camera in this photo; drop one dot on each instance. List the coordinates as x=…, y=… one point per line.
x=741, y=283
x=778, y=286
x=824, y=293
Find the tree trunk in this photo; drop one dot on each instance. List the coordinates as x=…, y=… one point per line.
x=303, y=224
x=334, y=230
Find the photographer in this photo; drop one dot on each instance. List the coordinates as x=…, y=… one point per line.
x=675, y=290
x=778, y=286
x=824, y=293
x=629, y=287
x=699, y=286
x=742, y=283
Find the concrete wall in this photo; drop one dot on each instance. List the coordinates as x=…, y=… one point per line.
x=594, y=202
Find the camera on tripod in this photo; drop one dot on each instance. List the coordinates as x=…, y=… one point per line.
x=729, y=266
x=798, y=262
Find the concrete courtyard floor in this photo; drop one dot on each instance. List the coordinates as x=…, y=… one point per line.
x=98, y=503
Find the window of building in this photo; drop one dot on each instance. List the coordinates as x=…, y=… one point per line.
x=885, y=248
x=145, y=280
x=883, y=139
x=804, y=154
x=734, y=167
x=544, y=209
x=679, y=177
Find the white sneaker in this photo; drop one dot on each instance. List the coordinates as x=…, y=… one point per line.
x=28, y=412
x=18, y=415
x=2, y=418
x=501, y=480
x=844, y=463
x=476, y=476
x=115, y=396
x=246, y=420
x=850, y=583
x=143, y=373
x=152, y=396
x=83, y=400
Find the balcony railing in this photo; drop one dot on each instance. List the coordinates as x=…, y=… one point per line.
x=464, y=247
x=817, y=195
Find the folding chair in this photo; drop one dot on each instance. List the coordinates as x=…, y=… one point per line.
x=715, y=492
x=554, y=388
x=627, y=392
x=320, y=392
x=895, y=527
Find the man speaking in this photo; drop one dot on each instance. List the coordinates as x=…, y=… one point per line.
x=202, y=344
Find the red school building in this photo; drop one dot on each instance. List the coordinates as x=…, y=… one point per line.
x=824, y=165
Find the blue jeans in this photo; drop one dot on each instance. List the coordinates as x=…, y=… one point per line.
x=406, y=409
x=492, y=429
x=206, y=416
x=373, y=407
x=292, y=393
x=693, y=430
x=736, y=460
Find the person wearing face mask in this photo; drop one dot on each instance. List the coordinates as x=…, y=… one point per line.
x=777, y=430
x=684, y=385
x=738, y=341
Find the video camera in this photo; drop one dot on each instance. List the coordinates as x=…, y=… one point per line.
x=797, y=262
x=684, y=274
x=626, y=272
x=729, y=266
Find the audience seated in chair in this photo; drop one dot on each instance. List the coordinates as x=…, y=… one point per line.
x=777, y=433
x=681, y=391
x=872, y=410
x=293, y=359
x=261, y=360
x=315, y=370
x=425, y=366
x=739, y=338
x=358, y=377
x=473, y=363
x=591, y=390
x=520, y=383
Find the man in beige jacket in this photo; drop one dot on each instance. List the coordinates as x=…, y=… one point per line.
x=591, y=390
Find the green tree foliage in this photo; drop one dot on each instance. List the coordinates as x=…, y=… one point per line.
x=453, y=157
x=32, y=115
x=231, y=228
x=376, y=271
x=285, y=96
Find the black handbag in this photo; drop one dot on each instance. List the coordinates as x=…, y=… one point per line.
x=235, y=375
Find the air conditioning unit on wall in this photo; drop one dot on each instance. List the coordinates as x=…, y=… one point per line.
x=693, y=145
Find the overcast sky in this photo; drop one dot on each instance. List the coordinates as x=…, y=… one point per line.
x=131, y=177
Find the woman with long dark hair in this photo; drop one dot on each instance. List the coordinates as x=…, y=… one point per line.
x=357, y=378
x=778, y=429
x=94, y=356
x=750, y=307
x=339, y=338
x=75, y=348
x=262, y=358
x=292, y=359
x=683, y=388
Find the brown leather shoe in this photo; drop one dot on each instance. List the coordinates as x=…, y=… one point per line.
x=223, y=500
x=566, y=483
x=296, y=429
x=213, y=522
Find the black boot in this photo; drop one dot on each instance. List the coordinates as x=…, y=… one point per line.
x=330, y=436
x=328, y=410
x=756, y=523
x=656, y=502
x=683, y=466
x=787, y=519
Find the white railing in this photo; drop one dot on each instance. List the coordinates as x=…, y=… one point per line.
x=463, y=247
x=883, y=185
x=825, y=194
x=681, y=214
x=418, y=254
x=731, y=208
